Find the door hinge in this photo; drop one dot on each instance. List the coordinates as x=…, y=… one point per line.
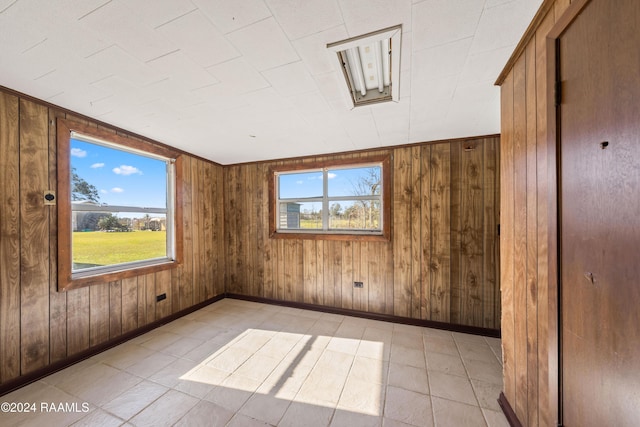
x=558, y=92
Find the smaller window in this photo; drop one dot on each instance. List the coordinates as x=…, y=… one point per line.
x=332, y=201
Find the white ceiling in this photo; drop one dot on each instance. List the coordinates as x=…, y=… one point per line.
x=245, y=80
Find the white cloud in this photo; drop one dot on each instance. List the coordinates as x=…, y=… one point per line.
x=299, y=182
x=331, y=175
x=103, y=191
x=126, y=170
x=117, y=190
x=97, y=165
x=77, y=152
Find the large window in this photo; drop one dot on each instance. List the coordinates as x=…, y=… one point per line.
x=344, y=200
x=116, y=206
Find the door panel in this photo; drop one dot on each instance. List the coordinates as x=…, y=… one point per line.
x=600, y=215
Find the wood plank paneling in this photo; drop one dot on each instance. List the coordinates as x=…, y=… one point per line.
x=38, y=324
x=198, y=257
x=77, y=320
x=98, y=314
x=34, y=230
x=402, y=286
x=520, y=237
x=506, y=239
x=129, y=304
x=415, y=209
x=115, y=309
x=456, y=234
x=425, y=232
x=440, y=265
x=490, y=239
x=471, y=216
x=531, y=236
x=9, y=237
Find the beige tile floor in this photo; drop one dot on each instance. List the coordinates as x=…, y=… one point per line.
x=238, y=363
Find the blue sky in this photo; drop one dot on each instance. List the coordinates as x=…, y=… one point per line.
x=121, y=178
x=309, y=184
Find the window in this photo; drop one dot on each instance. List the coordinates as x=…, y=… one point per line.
x=344, y=200
x=116, y=206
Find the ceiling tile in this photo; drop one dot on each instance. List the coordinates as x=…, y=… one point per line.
x=504, y=25
x=273, y=48
x=182, y=71
x=314, y=53
x=157, y=12
x=485, y=66
x=299, y=18
x=365, y=16
x=291, y=79
x=229, y=16
x=438, y=22
x=194, y=34
x=115, y=61
x=434, y=90
x=334, y=89
x=240, y=75
x=309, y=103
x=19, y=30
x=43, y=58
x=440, y=61
x=267, y=99
x=115, y=23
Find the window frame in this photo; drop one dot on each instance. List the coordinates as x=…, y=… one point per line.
x=67, y=279
x=317, y=234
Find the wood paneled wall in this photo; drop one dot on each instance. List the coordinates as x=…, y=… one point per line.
x=40, y=326
x=442, y=260
x=528, y=217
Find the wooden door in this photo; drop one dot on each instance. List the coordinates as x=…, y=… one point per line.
x=599, y=128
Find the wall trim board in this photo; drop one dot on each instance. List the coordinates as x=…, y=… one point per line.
x=508, y=411
x=492, y=333
x=31, y=377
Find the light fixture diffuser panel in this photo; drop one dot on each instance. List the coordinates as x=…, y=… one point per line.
x=371, y=65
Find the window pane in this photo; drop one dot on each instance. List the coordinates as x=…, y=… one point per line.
x=300, y=185
x=115, y=177
x=108, y=178
x=357, y=214
x=106, y=238
x=300, y=215
x=354, y=181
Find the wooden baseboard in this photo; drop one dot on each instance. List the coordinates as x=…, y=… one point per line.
x=508, y=411
x=33, y=376
x=495, y=333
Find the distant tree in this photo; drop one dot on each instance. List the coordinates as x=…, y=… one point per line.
x=368, y=185
x=147, y=219
x=335, y=210
x=81, y=189
x=110, y=222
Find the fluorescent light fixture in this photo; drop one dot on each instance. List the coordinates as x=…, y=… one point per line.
x=371, y=65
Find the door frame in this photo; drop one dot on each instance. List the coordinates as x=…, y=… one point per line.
x=555, y=206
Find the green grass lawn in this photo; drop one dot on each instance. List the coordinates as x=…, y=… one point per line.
x=100, y=248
